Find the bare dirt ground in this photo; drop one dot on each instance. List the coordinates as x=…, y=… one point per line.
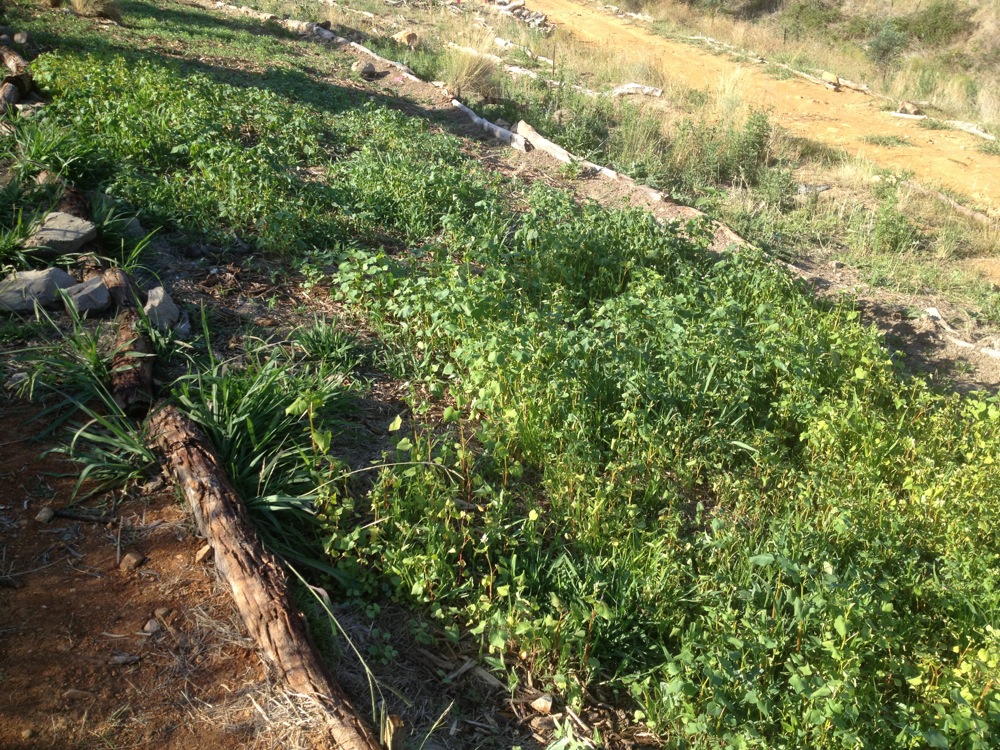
x=947, y=158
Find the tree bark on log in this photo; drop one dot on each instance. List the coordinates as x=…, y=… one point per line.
x=255, y=577
x=124, y=292
x=132, y=363
x=132, y=367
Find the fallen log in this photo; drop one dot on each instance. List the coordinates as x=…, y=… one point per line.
x=124, y=292
x=255, y=577
x=629, y=89
x=132, y=362
x=501, y=134
x=952, y=203
x=132, y=367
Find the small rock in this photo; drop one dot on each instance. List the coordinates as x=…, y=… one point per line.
x=77, y=695
x=24, y=38
x=909, y=108
x=161, y=310
x=15, y=380
x=45, y=515
x=152, y=626
x=162, y=612
x=543, y=705
x=408, y=37
x=831, y=79
x=364, y=69
x=131, y=561
x=152, y=486
x=20, y=291
x=27, y=734
x=60, y=233
x=203, y=554
x=45, y=177
x=838, y=264
x=183, y=328
x=90, y=296
x=134, y=230
x=121, y=660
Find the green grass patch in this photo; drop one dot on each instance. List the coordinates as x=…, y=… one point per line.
x=886, y=141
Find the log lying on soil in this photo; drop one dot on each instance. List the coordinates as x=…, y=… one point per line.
x=132, y=363
x=132, y=367
x=258, y=583
x=958, y=207
x=501, y=134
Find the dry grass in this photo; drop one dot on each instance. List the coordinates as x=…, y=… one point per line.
x=108, y=9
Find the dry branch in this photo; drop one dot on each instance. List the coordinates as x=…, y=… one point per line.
x=255, y=577
x=951, y=202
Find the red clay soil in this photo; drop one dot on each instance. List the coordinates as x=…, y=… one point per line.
x=79, y=667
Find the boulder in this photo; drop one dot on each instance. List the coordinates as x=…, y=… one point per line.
x=163, y=314
x=364, y=69
x=909, y=108
x=60, y=234
x=20, y=291
x=90, y=296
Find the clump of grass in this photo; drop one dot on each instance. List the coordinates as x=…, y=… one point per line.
x=109, y=9
x=886, y=141
x=932, y=123
x=990, y=147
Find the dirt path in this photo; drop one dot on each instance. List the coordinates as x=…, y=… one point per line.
x=948, y=158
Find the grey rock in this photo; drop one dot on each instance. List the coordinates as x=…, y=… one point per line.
x=152, y=626
x=5, y=40
x=161, y=310
x=90, y=296
x=183, y=328
x=61, y=233
x=134, y=229
x=24, y=38
x=20, y=291
x=364, y=69
x=45, y=515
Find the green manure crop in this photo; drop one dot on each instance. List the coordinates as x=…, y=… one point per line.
x=681, y=481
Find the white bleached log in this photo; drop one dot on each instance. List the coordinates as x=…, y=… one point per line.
x=514, y=140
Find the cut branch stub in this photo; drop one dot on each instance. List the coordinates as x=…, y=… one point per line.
x=132, y=367
x=255, y=577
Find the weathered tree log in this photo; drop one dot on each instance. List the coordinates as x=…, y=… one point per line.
x=132, y=367
x=257, y=581
x=954, y=204
x=124, y=292
x=501, y=134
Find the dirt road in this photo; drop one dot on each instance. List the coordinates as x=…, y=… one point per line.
x=947, y=158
